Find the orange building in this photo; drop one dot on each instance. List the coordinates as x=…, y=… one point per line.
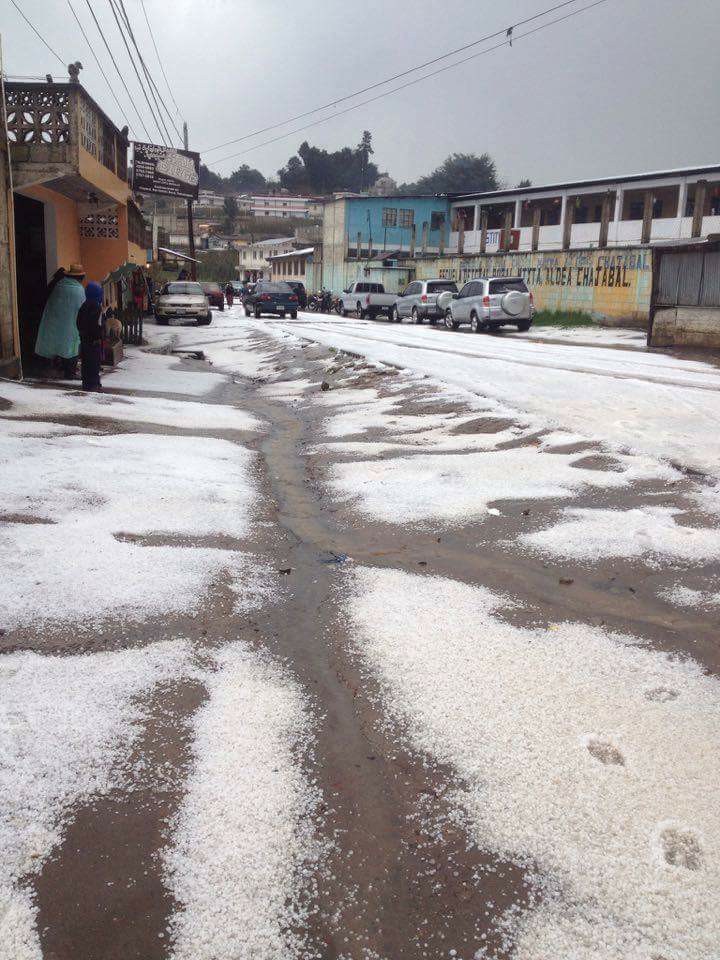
x=72, y=202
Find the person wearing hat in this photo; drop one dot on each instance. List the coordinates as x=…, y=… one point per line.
x=58, y=334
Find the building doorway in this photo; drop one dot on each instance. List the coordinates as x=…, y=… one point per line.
x=31, y=270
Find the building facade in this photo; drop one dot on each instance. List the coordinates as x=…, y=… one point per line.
x=294, y=265
x=72, y=202
x=357, y=229
x=610, y=212
x=281, y=206
x=253, y=259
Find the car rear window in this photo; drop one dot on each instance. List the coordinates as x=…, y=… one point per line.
x=440, y=285
x=507, y=286
x=275, y=288
x=175, y=288
x=211, y=287
x=376, y=288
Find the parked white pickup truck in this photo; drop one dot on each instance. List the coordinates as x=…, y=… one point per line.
x=366, y=300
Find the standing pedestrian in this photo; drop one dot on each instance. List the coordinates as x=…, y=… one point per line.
x=90, y=328
x=229, y=294
x=58, y=336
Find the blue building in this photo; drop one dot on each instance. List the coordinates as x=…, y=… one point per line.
x=363, y=235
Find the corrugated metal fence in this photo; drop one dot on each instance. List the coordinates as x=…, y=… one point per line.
x=689, y=279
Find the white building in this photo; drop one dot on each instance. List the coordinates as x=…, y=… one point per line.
x=281, y=206
x=253, y=259
x=615, y=211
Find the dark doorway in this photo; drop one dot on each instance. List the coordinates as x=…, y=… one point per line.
x=31, y=270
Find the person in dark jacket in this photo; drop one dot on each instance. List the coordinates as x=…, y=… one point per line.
x=90, y=328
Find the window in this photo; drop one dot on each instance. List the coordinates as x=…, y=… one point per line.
x=389, y=217
x=467, y=290
x=437, y=221
x=407, y=218
x=506, y=286
x=439, y=286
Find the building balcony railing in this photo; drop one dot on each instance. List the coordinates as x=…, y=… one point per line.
x=49, y=123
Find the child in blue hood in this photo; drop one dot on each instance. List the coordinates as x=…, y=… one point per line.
x=89, y=325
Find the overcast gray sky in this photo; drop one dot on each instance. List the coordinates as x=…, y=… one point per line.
x=629, y=86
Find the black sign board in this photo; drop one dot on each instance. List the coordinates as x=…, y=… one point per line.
x=164, y=170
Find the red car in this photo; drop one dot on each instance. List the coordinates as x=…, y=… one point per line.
x=216, y=297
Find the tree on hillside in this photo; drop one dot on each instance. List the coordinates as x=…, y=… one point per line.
x=230, y=214
x=320, y=171
x=243, y=180
x=246, y=180
x=524, y=183
x=209, y=180
x=365, y=151
x=460, y=173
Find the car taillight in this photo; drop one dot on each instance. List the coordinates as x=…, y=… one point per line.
x=293, y=299
x=367, y=300
x=532, y=300
x=265, y=296
x=486, y=301
x=423, y=298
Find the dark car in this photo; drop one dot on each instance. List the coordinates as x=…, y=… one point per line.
x=298, y=288
x=214, y=293
x=271, y=297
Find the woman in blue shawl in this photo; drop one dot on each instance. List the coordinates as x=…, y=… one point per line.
x=58, y=333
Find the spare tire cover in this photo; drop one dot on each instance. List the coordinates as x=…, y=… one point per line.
x=443, y=300
x=513, y=303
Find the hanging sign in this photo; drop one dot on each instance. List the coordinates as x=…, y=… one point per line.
x=165, y=170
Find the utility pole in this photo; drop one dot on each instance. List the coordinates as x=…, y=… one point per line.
x=191, y=235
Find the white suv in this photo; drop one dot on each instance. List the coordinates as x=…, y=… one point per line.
x=487, y=303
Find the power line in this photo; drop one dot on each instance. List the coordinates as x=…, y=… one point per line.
x=157, y=54
x=156, y=95
x=117, y=69
x=506, y=31
x=510, y=39
x=38, y=34
x=137, y=72
x=100, y=67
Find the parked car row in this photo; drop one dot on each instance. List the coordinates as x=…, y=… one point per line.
x=484, y=303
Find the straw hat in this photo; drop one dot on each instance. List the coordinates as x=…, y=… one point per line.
x=75, y=270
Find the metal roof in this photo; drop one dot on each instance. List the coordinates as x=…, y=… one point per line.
x=177, y=255
x=293, y=253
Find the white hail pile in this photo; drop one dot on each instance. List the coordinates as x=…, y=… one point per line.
x=67, y=726
x=457, y=487
x=91, y=488
x=244, y=834
x=585, y=757
x=686, y=597
x=187, y=414
x=651, y=533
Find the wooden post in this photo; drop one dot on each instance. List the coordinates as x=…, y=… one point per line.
x=605, y=219
x=568, y=222
x=425, y=229
x=191, y=230
x=461, y=236
x=699, y=208
x=358, y=248
x=441, y=242
x=483, y=231
x=537, y=213
x=647, y=217
x=507, y=231
x=413, y=237
x=10, y=364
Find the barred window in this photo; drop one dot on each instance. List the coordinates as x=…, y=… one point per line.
x=389, y=217
x=437, y=221
x=407, y=218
